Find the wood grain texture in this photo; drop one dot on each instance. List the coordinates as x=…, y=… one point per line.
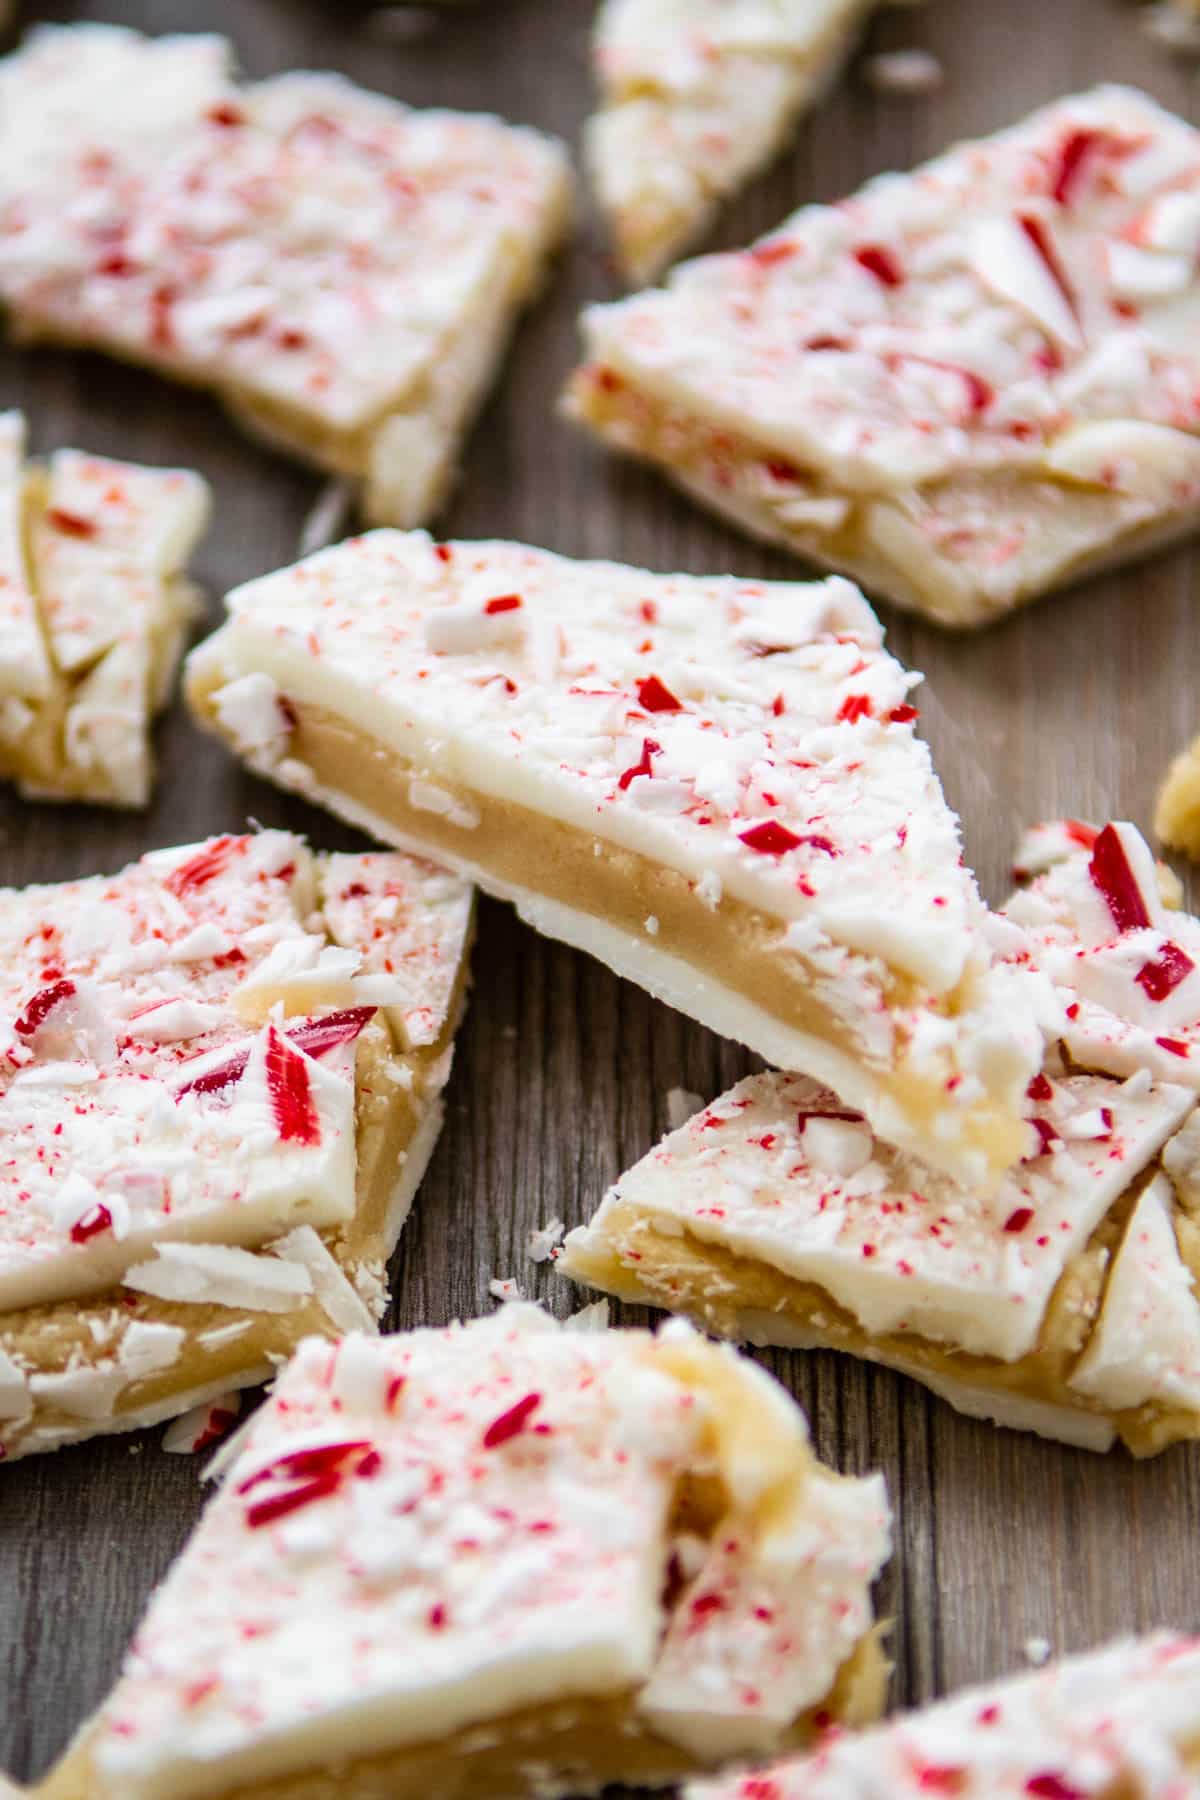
x=562, y=1070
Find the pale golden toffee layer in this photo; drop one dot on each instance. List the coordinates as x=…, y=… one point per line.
x=740, y=1297
x=881, y=539
x=595, y=1745
x=515, y=852
x=1177, y=813
x=226, y=1347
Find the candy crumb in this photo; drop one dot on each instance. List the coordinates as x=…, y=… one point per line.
x=682, y=1105
x=541, y=1245
x=903, y=72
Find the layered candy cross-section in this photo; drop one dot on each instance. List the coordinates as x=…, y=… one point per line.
x=94, y=611
x=694, y=99
x=220, y=1074
x=343, y=271
x=503, y=1558
x=1064, y=1302
x=964, y=386
x=1123, y=1720
x=706, y=782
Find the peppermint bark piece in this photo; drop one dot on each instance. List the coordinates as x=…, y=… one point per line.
x=1177, y=811
x=342, y=271
x=1124, y=1719
x=965, y=386
x=95, y=608
x=694, y=100
x=502, y=1558
x=217, y=1116
x=707, y=783
x=1064, y=1303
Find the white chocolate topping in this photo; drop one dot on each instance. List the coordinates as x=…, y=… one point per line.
x=1127, y=966
x=1017, y=303
x=410, y=920
x=696, y=94
x=755, y=737
x=773, y=1171
x=424, y=1532
x=299, y=240
x=94, y=608
x=24, y=668
x=1119, y=1720
x=157, y=1120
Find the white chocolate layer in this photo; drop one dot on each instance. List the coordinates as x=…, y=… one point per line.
x=751, y=738
x=963, y=386
x=695, y=98
x=95, y=609
x=424, y=1532
x=146, y=1106
x=341, y=269
x=1122, y=1719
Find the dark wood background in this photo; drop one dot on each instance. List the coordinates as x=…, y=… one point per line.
x=562, y=1071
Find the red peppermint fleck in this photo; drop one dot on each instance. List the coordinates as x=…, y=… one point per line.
x=1079, y=833
x=202, y=868
x=779, y=470
x=443, y=552
x=95, y=1220
x=987, y=1715
x=43, y=1003
x=318, y=1036
x=115, y=265
x=1111, y=873
x=1176, y=1046
x=649, y=749
x=313, y=1460
x=290, y=1090
x=880, y=263
x=503, y=603
x=770, y=838
x=1073, y=1010
x=1071, y=157
x=511, y=1423
x=70, y=524
x=704, y=1605
x=608, y=380
x=655, y=697
x=776, y=251
x=162, y=331
x=825, y=342
x=853, y=708
x=1049, y=1786
x=759, y=1787
x=1047, y=1138
x=1018, y=1219
x=824, y=844
x=219, y=1419
x=1040, y=1087
x=278, y=1506
x=395, y=1388
x=777, y=706
x=902, y=715
x=437, y=1617
x=226, y=114
x=1164, y=972
x=941, y=1778
x=1043, y=244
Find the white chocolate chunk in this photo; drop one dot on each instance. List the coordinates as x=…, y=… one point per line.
x=695, y=96
x=964, y=386
x=341, y=269
x=433, y=1531
x=94, y=607
x=1146, y=1344
x=1120, y=1718
x=751, y=744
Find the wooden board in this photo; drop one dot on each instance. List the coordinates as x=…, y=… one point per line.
x=562, y=1070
